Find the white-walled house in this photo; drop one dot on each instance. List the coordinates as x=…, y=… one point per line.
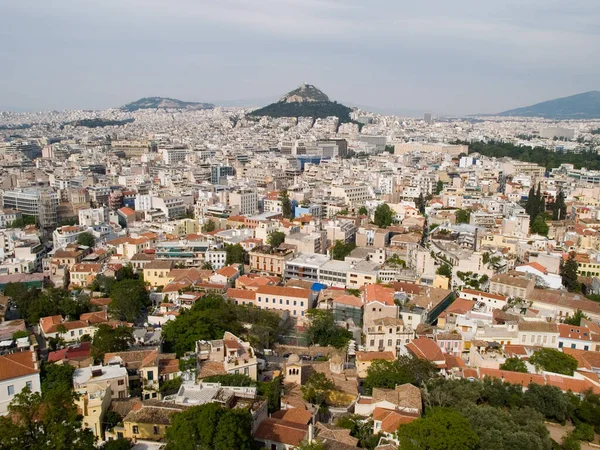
x=17, y=371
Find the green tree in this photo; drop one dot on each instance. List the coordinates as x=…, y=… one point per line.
x=86, y=239
x=170, y=387
x=539, y=226
x=552, y=360
x=445, y=270
x=439, y=187
x=108, y=339
x=314, y=445
x=421, y=203
x=56, y=377
x=576, y=318
x=235, y=254
x=463, y=216
x=323, y=330
x=569, y=274
x=363, y=211
x=286, y=204
x=116, y=444
x=231, y=379
x=405, y=369
x=384, y=216
x=440, y=429
x=210, y=426
x=209, y=226
x=316, y=388
x=340, y=250
x=47, y=421
x=20, y=334
x=271, y=390
x=559, y=209
x=514, y=365
x=128, y=298
x=275, y=238
x=549, y=401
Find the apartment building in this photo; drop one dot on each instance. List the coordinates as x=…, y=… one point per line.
x=270, y=261
x=294, y=300
x=246, y=201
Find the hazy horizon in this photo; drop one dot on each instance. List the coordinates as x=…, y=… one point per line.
x=449, y=58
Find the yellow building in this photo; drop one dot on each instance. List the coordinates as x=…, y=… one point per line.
x=93, y=403
x=157, y=273
x=149, y=420
x=365, y=359
x=265, y=259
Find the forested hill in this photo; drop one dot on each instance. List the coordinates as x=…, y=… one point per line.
x=539, y=155
x=317, y=110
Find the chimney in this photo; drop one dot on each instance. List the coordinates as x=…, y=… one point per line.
x=311, y=433
x=34, y=358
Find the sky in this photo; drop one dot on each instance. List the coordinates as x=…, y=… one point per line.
x=449, y=57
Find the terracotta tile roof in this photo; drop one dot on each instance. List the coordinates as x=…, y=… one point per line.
x=284, y=291
x=49, y=322
x=561, y=298
x=460, y=306
x=537, y=266
x=372, y=356
x=404, y=396
x=391, y=420
x=17, y=365
x=87, y=268
x=228, y=271
x=295, y=415
x=153, y=412
x=241, y=294
x=377, y=292
x=425, y=348
x=276, y=430
x=349, y=300
x=453, y=361
x=95, y=317
x=573, y=332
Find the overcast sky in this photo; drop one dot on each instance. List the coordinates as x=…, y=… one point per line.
x=444, y=56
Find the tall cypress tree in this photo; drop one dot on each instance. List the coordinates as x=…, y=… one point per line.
x=559, y=210
x=530, y=201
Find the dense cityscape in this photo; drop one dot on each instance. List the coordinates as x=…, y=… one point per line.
x=188, y=276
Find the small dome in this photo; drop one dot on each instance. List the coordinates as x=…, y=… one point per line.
x=293, y=358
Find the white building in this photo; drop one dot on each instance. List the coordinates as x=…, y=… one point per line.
x=17, y=371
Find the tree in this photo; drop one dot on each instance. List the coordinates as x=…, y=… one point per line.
x=361, y=429
x=171, y=386
x=420, y=203
x=569, y=273
x=549, y=401
x=363, y=211
x=47, y=421
x=463, y=216
x=439, y=187
x=210, y=426
x=116, y=444
x=271, y=390
x=275, y=238
x=207, y=265
x=56, y=377
x=559, y=209
x=20, y=334
x=235, y=254
x=314, y=445
x=128, y=298
x=230, y=379
x=323, y=330
x=445, y=270
x=384, y=216
x=340, y=250
x=576, y=318
x=209, y=226
x=539, y=226
x=405, y=369
x=108, y=340
x=514, y=365
x=440, y=429
x=286, y=205
x=316, y=388
x=86, y=239
x=552, y=360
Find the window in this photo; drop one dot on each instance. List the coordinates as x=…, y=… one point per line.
x=287, y=302
x=389, y=343
x=11, y=390
x=573, y=346
x=29, y=384
x=156, y=429
x=121, y=382
x=136, y=430
x=560, y=345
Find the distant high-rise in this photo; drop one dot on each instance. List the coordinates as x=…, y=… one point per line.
x=427, y=117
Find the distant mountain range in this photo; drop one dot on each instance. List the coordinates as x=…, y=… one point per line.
x=579, y=106
x=305, y=101
x=165, y=103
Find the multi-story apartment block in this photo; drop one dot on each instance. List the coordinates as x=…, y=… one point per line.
x=270, y=261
